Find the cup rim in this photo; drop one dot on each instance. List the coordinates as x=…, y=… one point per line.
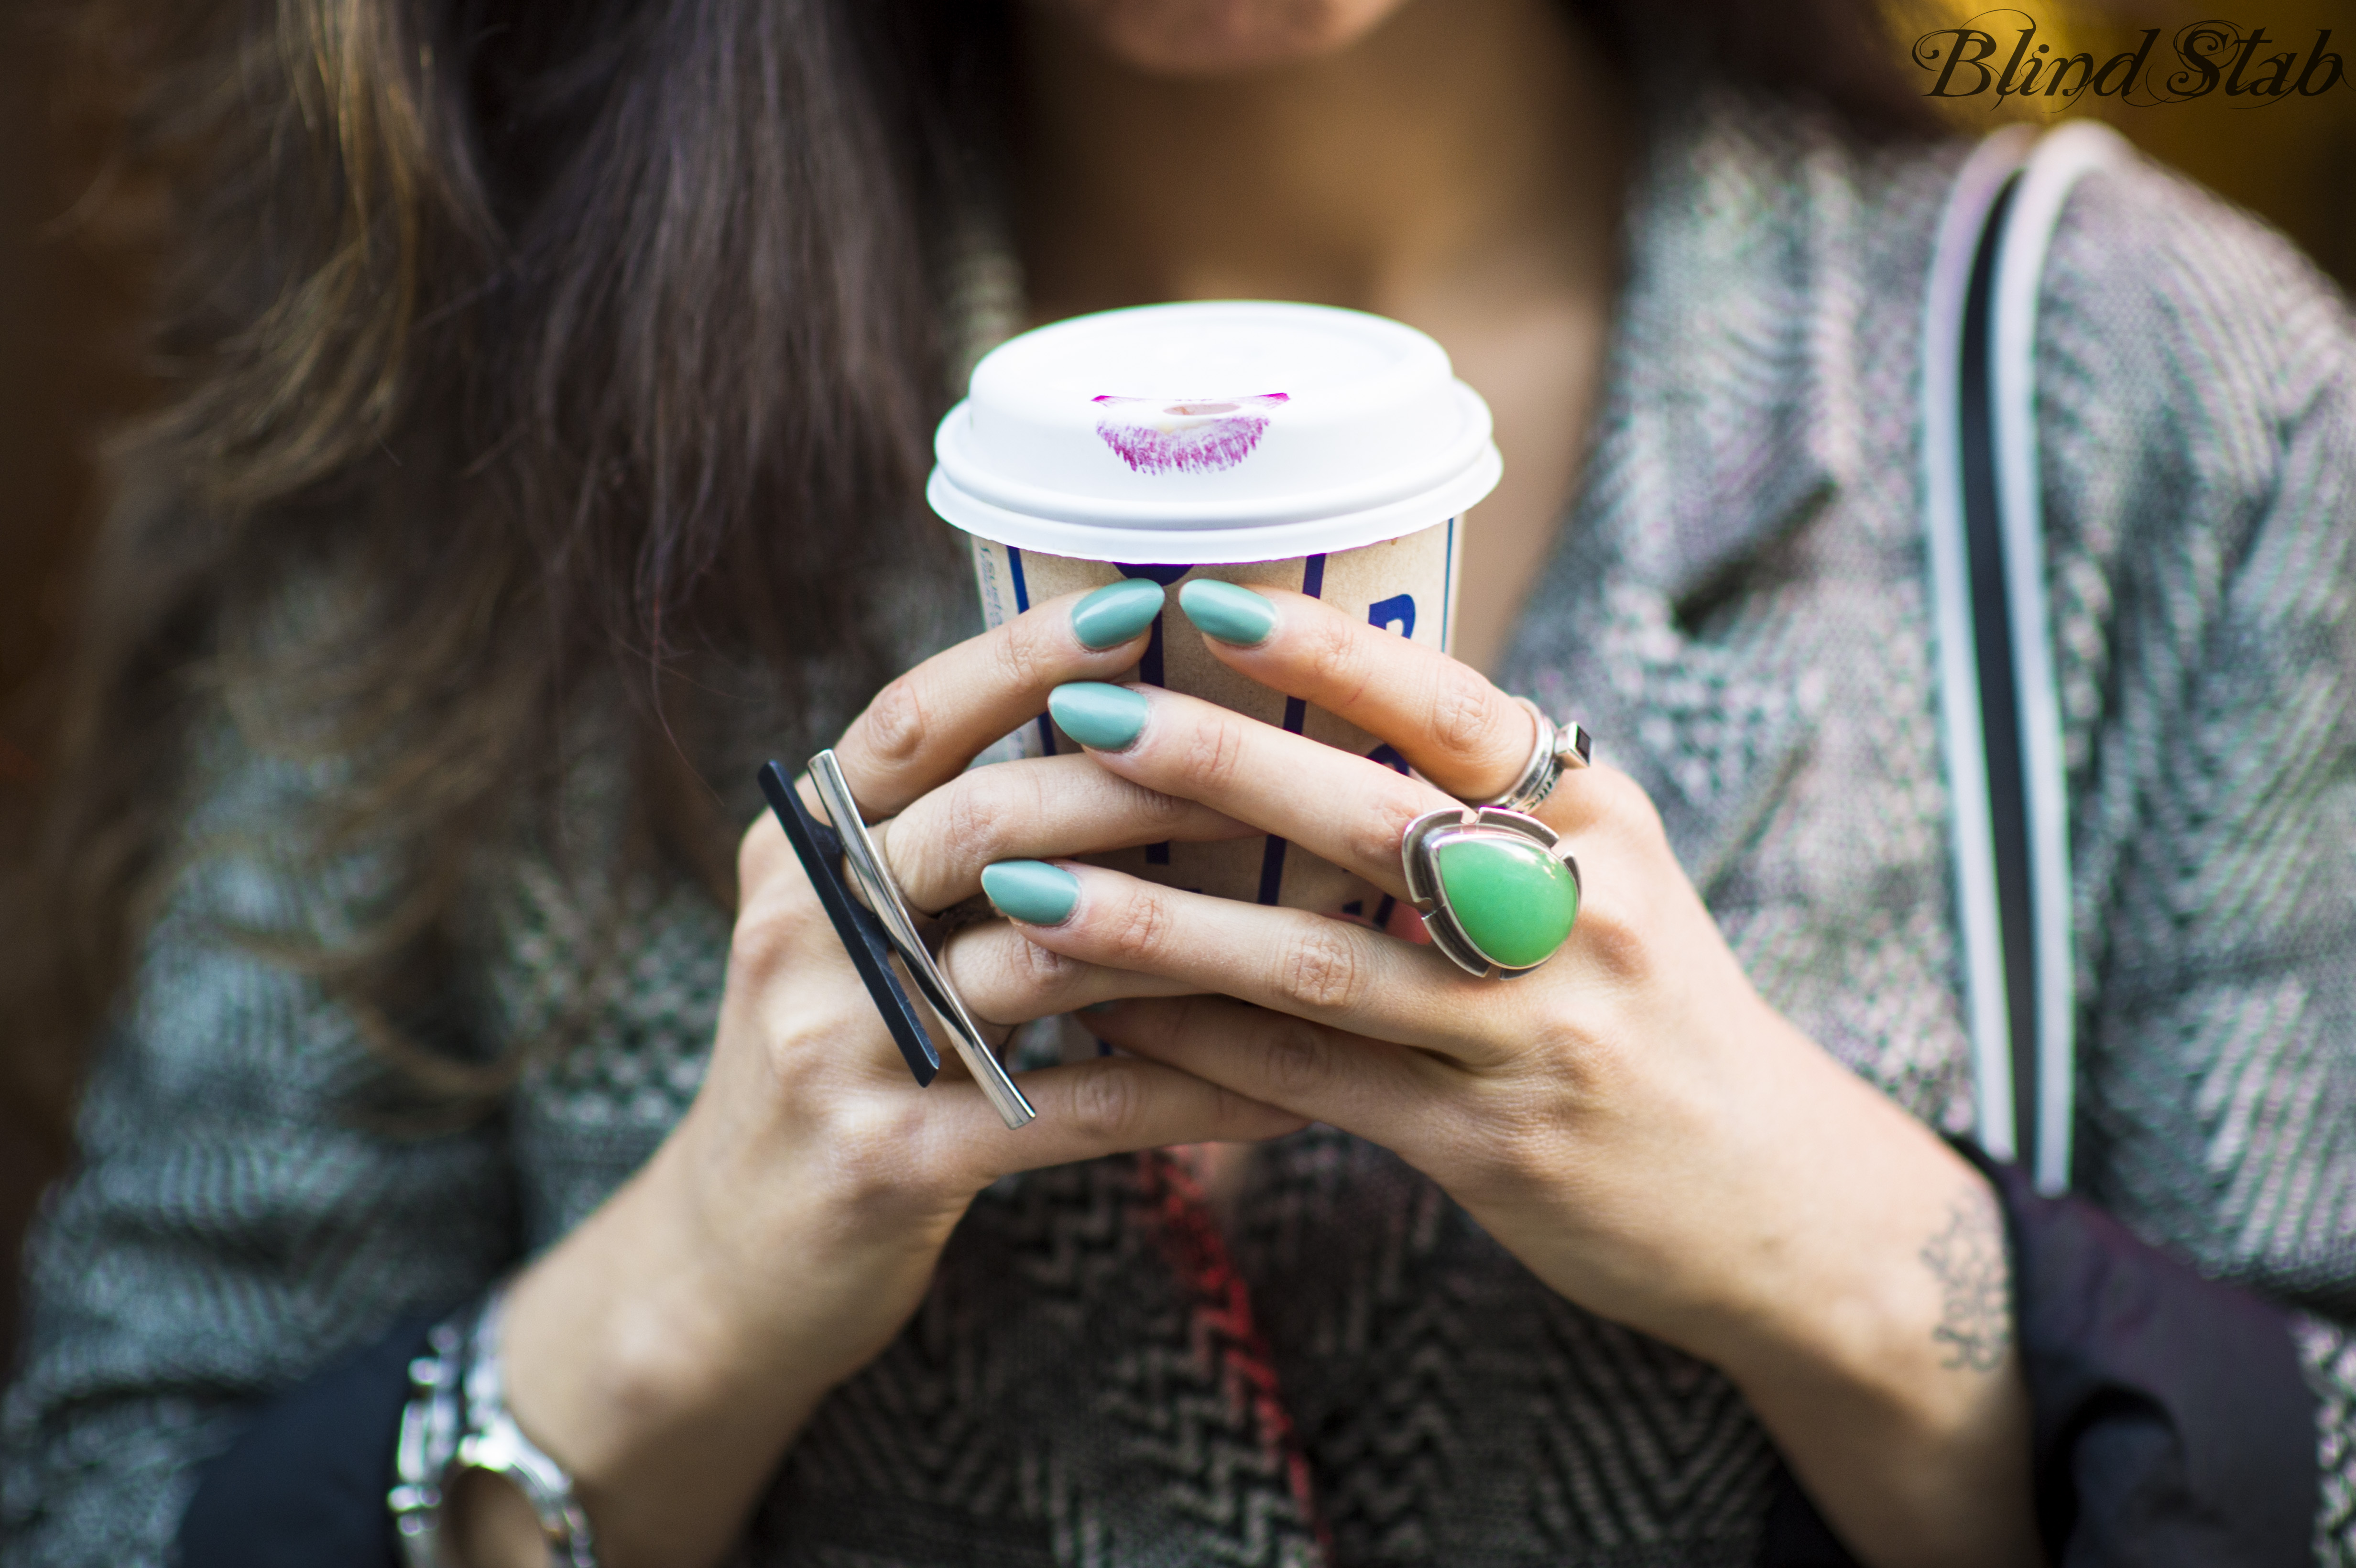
x=965, y=470
x=1197, y=536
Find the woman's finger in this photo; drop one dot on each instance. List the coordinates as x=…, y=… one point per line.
x=1387, y=1093
x=1328, y=971
x=1003, y=977
x=1041, y=805
x=1340, y=807
x=923, y=728
x=1087, y=1110
x=1444, y=717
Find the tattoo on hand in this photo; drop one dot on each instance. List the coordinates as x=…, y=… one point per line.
x=1969, y=1260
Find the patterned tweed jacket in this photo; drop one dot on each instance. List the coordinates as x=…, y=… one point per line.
x=1349, y=1371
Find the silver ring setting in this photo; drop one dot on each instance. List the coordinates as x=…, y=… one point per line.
x=1499, y=894
x=1558, y=748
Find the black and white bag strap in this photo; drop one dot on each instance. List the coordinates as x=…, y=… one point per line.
x=2000, y=712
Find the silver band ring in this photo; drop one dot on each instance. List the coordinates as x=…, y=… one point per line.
x=1557, y=749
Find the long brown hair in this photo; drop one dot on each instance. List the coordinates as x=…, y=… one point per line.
x=567, y=342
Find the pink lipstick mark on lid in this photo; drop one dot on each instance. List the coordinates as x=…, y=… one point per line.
x=1200, y=435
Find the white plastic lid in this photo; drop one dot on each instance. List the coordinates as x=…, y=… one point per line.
x=1223, y=430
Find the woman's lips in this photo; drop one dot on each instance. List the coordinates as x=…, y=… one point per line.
x=1197, y=435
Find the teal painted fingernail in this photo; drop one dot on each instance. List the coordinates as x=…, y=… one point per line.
x=1095, y=714
x=1230, y=613
x=1032, y=891
x=1117, y=611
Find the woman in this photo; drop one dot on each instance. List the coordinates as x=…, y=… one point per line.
x=590, y=333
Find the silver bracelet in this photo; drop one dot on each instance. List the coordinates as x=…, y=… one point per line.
x=456, y=1420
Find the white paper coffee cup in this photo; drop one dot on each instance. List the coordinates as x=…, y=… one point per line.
x=1312, y=448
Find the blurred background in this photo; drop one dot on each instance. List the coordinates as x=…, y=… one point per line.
x=71, y=362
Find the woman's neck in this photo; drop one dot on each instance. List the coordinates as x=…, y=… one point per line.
x=1459, y=168
x=1461, y=148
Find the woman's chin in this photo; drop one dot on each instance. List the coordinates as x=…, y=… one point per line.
x=1222, y=37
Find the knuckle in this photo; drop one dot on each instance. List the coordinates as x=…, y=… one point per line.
x=1025, y=655
x=1624, y=802
x=1043, y=967
x=1109, y=1102
x=1521, y=1141
x=1299, y=1057
x=1375, y=831
x=1183, y=1016
x=1137, y=935
x=1336, y=655
x=1006, y=978
x=867, y=1141
x=978, y=969
x=1323, y=967
x=1615, y=947
x=1213, y=751
x=764, y=937
x=1468, y=717
x=894, y=722
x=977, y=813
x=915, y=858
x=1150, y=807
x=751, y=946
x=1035, y=975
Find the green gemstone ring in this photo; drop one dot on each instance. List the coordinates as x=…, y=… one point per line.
x=1499, y=895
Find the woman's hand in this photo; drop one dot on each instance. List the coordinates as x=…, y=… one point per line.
x=667, y=1351
x=1632, y=1119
